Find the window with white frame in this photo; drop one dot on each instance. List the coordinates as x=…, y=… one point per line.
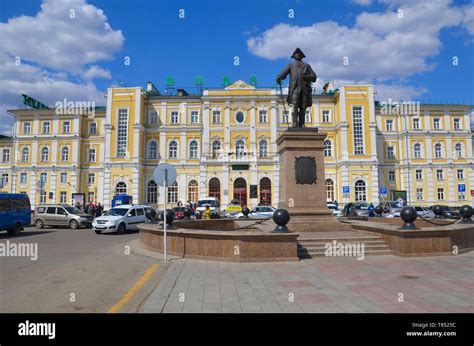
x=27, y=128
x=153, y=150
x=239, y=148
x=263, y=148
x=390, y=152
x=329, y=190
x=417, y=151
x=193, y=149
x=194, y=117
x=439, y=174
x=216, y=116
x=327, y=148
x=66, y=126
x=92, y=155
x=46, y=127
x=6, y=155
x=389, y=125
x=63, y=197
x=460, y=174
x=91, y=178
x=43, y=179
x=326, y=116
x=461, y=196
x=193, y=191
x=43, y=197
x=458, y=150
x=173, y=150
x=419, y=194
x=437, y=123
x=174, y=117
x=216, y=148
x=416, y=123
x=285, y=117
x=5, y=178
x=360, y=191
x=457, y=123
x=358, y=127
x=438, y=150
x=419, y=174
x=440, y=193
x=65, y=154
x=152, y=117
x=93, y=128
x=122, y=132
x=151, y=192
x=25, y=154
x=23, y=178
x=307, y=116
x=63, y=178
x=173, y=193
x=262, y=116
x=391, y=176
x=121, y=187
x=44, y=154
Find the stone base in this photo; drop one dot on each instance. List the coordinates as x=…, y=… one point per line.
x=314, y=221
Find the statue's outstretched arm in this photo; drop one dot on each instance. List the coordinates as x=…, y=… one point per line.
x=284, y=73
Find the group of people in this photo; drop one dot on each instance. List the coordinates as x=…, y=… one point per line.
x=93, y=209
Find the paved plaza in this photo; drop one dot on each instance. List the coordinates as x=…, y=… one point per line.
x=339, y=284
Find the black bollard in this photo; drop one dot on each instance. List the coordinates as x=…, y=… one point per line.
x=378, y=210
x=438, y=211
x=281, y=217
x=466, y=212
x=408, y=215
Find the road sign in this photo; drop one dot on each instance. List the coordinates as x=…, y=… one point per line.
x=345, y=189
x=163, y=172
x=461, y=187
x=383, y=190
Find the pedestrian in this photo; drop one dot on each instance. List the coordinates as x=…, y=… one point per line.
x=98, y=210
x=336, y=204
x=371, y=210
x=207, y=213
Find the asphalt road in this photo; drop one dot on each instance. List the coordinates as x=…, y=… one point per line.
x=76, y=271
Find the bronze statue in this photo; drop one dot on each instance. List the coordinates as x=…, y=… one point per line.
x=299, y=93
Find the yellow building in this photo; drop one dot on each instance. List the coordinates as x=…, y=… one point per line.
x=223, y=144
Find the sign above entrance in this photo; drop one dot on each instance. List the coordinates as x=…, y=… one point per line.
x=240, y=167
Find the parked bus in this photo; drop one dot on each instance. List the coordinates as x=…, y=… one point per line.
x=15, y=212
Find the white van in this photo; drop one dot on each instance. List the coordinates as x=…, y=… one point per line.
x=213, y=204
x=121, y=218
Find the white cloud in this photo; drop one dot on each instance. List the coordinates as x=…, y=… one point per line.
x=362, y=2
x=382, y=47
x=468, y=20
x=398, y=92
x=59, y=55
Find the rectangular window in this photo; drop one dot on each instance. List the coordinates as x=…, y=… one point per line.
x=93, y=128
x=440, y=193
x=457, y=123
x=174, y=117
x=194, y=117
x=390, y=153
x=91, y=178
x=358, y=130
x=63, y=178
x=307, y=117
x=5, y=178
x=439, y=174
x=152, y=117
x=6, y=155
x=262, y=116
x=63, y=197
x=436, y=123
x=419, y=194
x=419, y=174
x=43, y=197
x=46, y=127
x=216, y=117
x=43, y=180
x=389, y=125
x=284, y=117
x=122, y=132
x=91, y=155
x=23, y=178
x=66, y=126
x=416, y=123
x=326, y=117
x=460, y=174
x=391, y=175
x=27, y=128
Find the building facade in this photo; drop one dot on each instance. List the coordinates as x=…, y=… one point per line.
x=223, y=144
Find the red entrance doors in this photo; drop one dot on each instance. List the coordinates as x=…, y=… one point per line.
x=215, y=188
x=240, y=190
x=265, y=191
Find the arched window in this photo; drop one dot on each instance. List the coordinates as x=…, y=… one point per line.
x=327, y=148
x=151, y=192
x=265, y=191
x=193, y=150
x=458, y=150
x=25, y=154
x=239, y=148
x=121, y=187
x=215, y=188
x=438, y=153
x=329, y=190
x=153, y=150
x=263, y=148
x=173, y=193
x=173, y=150
x=44, y=154
x=417, y=150
x=360, y=191
x=65, y=154
x=193, y=191
x=216, y=148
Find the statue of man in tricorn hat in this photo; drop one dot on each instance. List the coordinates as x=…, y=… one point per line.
x=299, y=93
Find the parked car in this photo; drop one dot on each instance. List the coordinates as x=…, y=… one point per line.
x=213, y=204
x=427, y=213
x=61, y=215
x=233, y=208
x=335, y=210
x=449, y=213
x=356, y=209
x=391, y=209
x=15, y=212
x=121, y=218
x=260, y=212
x=179, y=213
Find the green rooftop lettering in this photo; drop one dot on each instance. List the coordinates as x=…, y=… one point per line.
x=31, y=102
x=226, y=81
x=169, y=81
x=199, y=81
x=253, y=80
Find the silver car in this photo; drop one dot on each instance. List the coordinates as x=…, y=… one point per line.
x=260, y=212
x=61, y=215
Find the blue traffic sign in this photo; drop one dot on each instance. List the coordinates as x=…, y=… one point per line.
x=383, y=190
x=461, y=187
x=345, y=189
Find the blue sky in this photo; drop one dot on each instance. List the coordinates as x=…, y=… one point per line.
x=407, y=57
